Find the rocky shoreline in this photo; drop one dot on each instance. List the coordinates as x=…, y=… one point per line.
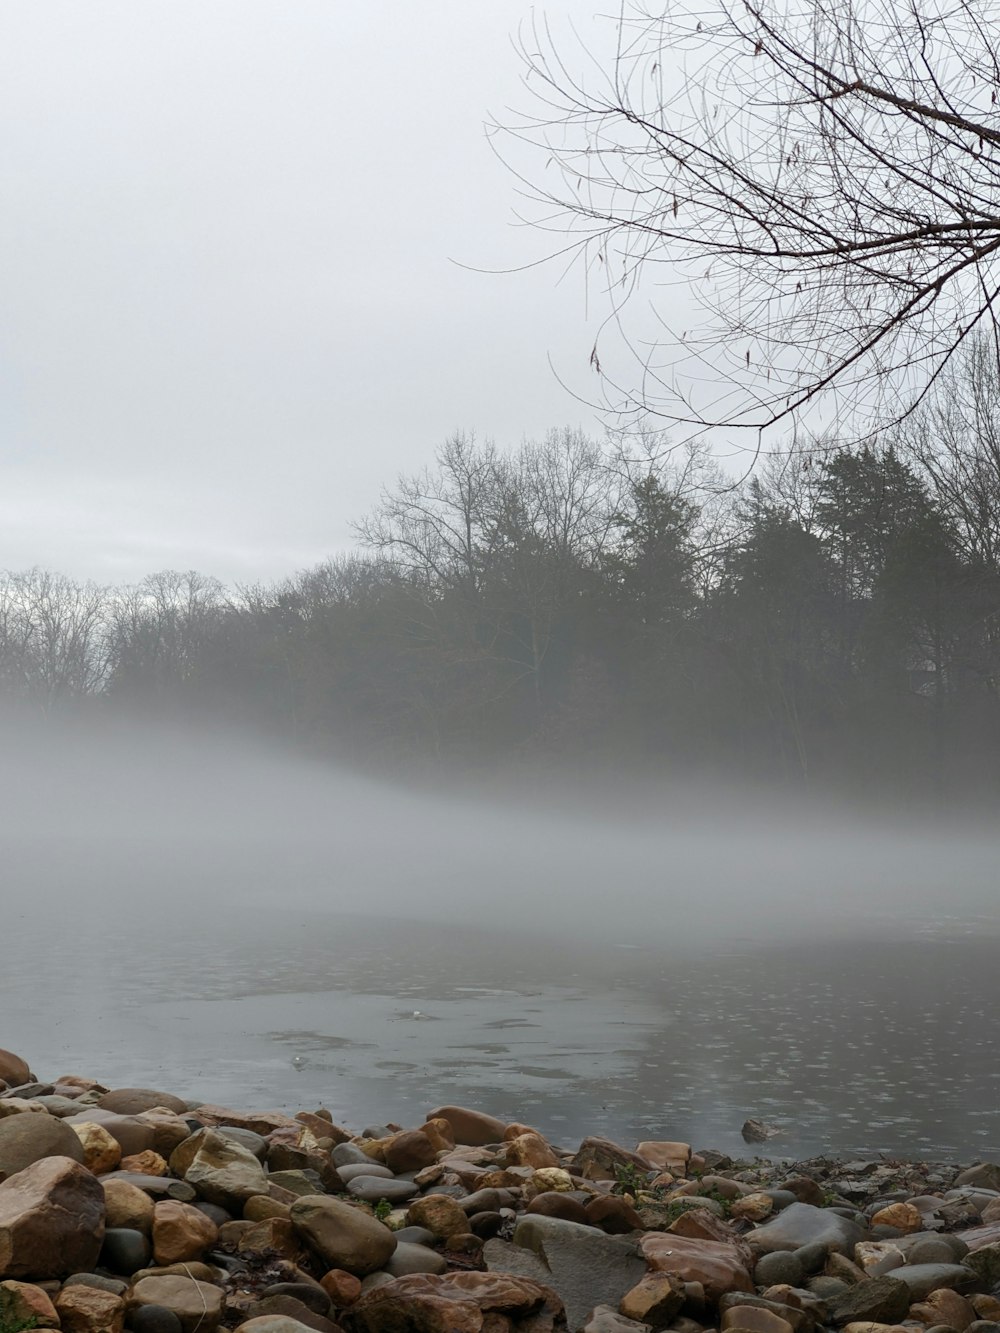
x=133, y=1209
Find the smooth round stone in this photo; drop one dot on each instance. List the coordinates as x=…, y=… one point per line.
x=486, y=1225
x=373, y=1188
x=154, y=1319
x=98, y=1283
x=415, y=1236
x=827, y=1288
x=406, y=1259
x=783, y=1267
x=377, y=1132
x=347, y=1154
x=780, y=1198
x=246, y=1138
x=314, y=1298
x=213, y=1212
x=983, y=1326
x=922, y=1279
x=125, y=1251
x=812, y=1257
x=368, y=1168
x=931, y=1252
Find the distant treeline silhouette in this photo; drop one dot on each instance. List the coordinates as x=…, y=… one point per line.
x=834, y=619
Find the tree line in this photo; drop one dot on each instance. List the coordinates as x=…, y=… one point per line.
x=834, y=619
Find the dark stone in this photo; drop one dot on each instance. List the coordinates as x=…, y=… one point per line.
x=157, y=1187
x=99, y=1283
x=811, y=1257
x=877, y=1300
x=133, y=1101
x=213, y=1212
x=557, y=1204
x=314, y=1297
x=372, y=1188
x=486, y=1225
x=125, y=1251
x=782, y=1267
x=154, y=1319
x=922, y=1279
x=29, y=1136
x=613, y=1214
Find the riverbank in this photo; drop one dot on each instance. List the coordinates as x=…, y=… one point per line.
x=134, y=1209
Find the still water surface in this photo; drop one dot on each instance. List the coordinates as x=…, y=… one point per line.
x=888, y=1043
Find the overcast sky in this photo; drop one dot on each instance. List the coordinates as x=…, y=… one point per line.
x=228, y=307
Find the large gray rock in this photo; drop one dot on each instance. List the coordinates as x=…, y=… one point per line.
x=133, y=1101
x=583, y=1266
x=220, y=1169
x=803, y=1224
x=30, y=1136
x=407, y=1258
x=343, y=1235
x=922, y=1279
x=51, y=1220
x=878, y=1300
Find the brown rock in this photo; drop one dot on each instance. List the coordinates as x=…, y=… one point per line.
x=81, y=1084
x=903, y=1216
x=343, y=1235
x=261, y=1122
x=169, y=1130
x=180, y=1232
x=323, y=1127
x=754, y=1320
x=554, y=1203
x=439, y=1214
x=655, y=1299
x=453, y=1303
x=275, y=1235
x=126, y=1205
x=664, y=1155
x=805, y=1189
x=720, y=1266
x=472, y=1128
x=530, y=1150
x=23, y=1302
x=613, y=1214
x=292, y=1315
x=410, y=1151
x=600, y=1159
x=753, y=1207
x=198, y=1305
x=13, y=1070
x=945, y=1307
x=84, y=1309
x=700, y=1224
x=51, y=1219
x=342, y=1287
x=133, y=1135
x=260, y=1207
x=32, y=1136
x=133, y=1101
x=440, y=1134
x=220, y=1169
x=101, y=1150
x=146, y=1163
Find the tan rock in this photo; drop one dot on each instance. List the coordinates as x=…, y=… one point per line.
x=343, y=1288
x=323, y=1127
x=198, y=1305
x=198, y=1271
x=903, y=1216
x=531, y=1150
x=51, y=1220
x=986, y=1307
x=133, y=1101
x=861, y=1326
x=169, y=1129
x=430, y=1175
x=666, y=1155
x=440, y=1134
x=455, y=1303
x=22, y=1302
x=945, y=1307
x=411, y=1150
x=181, y=1232
x=275, y=1235
x=260, y=1207
x=13, y=1070
x=81, y=1084
x=101, y=1150
x=720, y=1266
x=261, y=1122
x=472, y=1128
x=439, y=1214
x=700, y=1224
x=343, y=1235
x=600, y=1159
x=84, y=1309
x=549, y=1180
x=126, y=1205
x=148, y=1163
x=655, y=1299
x=220, y=1169
x=752, y=1207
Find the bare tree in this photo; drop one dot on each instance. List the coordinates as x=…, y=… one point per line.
x=806, y=193
x=53, y=637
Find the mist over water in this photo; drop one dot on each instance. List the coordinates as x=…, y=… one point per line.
x=203, y=914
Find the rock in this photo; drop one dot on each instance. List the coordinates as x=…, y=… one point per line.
x=471, y=1128
x=450, y=1303
x=664, y=1155
x=288, y=1307
x=368, y=1168
x=169, y=1130
x=154, y=1319
x=606, y=1320
x=553, y=1204
x=752, y=1207
x=804, y=1224
x=756, y=1131
x=944, y=1306
x=113, y=1284
x=410, y=1151
x=779, y=1266
x=699, y=1224
x=977, y=1237
x=753, y=1319
x=132, y=1134
x=101, y=1151
x=198, y=1305
x=148, y=1163
x=13, y=1070
x=922, y=1279
x=583, y=1266
x=881, y=1300
x=343, y=1235
x=51, y=1219
x=89, y=1310
x=157, y=1187
x=719, y=1266
x=373, y=1188
x=28, y=1138
x=309, y=1294
x=23, y=1305
x=343, y=1288
x=612, y=1214
x=127, y=1206
x=414, y=1259
x=804, y=1188
x=440, y=1214
x=125, y=1250
x=133, y=1101
x=273, y=1323
x=180, y=1232
x=222, y=1171
x=985, y=1262
x=530, y=1150
x=246, y=1138
x=349, y=1154
x=600, y=1159
x=274, y=1235
x=655, y=1299
x=260, y=1122
x=984, y=1175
